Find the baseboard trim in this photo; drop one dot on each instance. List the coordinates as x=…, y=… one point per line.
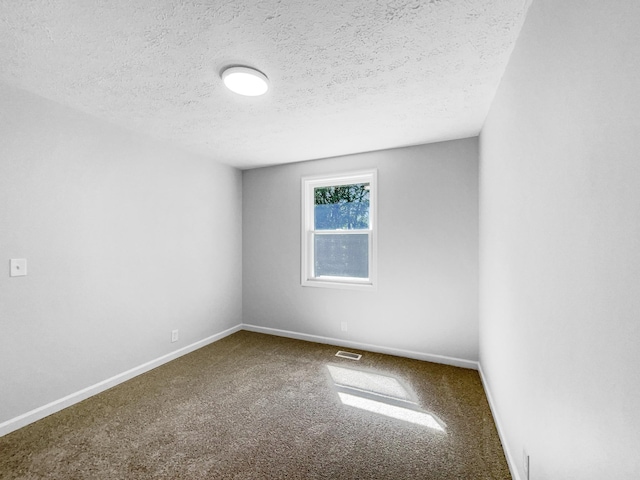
x=41, y=412
x=427, y=357
x=511, y=461
x=57, y=405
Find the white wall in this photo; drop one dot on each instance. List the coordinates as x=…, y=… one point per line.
x=427, y=296
x=126, y=239
x=560, y=242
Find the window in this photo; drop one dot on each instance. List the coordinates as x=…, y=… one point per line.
x=338, y=230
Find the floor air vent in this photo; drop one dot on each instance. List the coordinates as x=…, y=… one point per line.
x=349, y=355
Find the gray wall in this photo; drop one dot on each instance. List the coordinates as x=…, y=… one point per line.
x=560, y=242
x=126, y=239
x=427, y=295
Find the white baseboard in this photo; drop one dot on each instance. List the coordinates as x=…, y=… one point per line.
x=427, y=357
x=57, y=405
x=511, y=461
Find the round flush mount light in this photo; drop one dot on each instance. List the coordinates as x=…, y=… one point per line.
x=245, y=81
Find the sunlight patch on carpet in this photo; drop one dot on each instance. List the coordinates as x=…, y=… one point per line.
x=392, y=411
x=380, y=394
x=368, y=382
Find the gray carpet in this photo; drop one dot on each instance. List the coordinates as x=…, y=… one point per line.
x=254, y=406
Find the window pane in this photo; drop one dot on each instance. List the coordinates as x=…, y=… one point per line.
x=342, y=255
x=341, y=207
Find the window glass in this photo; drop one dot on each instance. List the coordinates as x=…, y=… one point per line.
x=342, y=255
x=341, y=207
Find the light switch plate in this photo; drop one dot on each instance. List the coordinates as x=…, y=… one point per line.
x=18, y=267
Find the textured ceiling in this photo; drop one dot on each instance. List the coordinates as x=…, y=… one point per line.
x=346, y=76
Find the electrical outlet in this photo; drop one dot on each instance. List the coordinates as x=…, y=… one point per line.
x=525, y=464
x=174, y=336
x=343, y=326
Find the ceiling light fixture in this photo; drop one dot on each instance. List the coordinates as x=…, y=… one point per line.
x=245, y=81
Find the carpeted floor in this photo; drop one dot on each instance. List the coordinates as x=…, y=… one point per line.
x=254, y=406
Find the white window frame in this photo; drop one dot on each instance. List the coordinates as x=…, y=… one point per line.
x=309, y=183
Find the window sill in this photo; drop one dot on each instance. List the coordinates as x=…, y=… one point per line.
x=340, y=284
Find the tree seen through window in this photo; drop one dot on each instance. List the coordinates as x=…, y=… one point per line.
x=342, y=207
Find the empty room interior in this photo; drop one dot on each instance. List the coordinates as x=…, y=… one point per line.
x=448, y=192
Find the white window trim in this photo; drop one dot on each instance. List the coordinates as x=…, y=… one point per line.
x=307, y=187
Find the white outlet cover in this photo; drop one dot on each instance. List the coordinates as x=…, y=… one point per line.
x=18, y=267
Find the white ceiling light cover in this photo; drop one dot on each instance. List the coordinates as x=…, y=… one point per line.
x=245, y=81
